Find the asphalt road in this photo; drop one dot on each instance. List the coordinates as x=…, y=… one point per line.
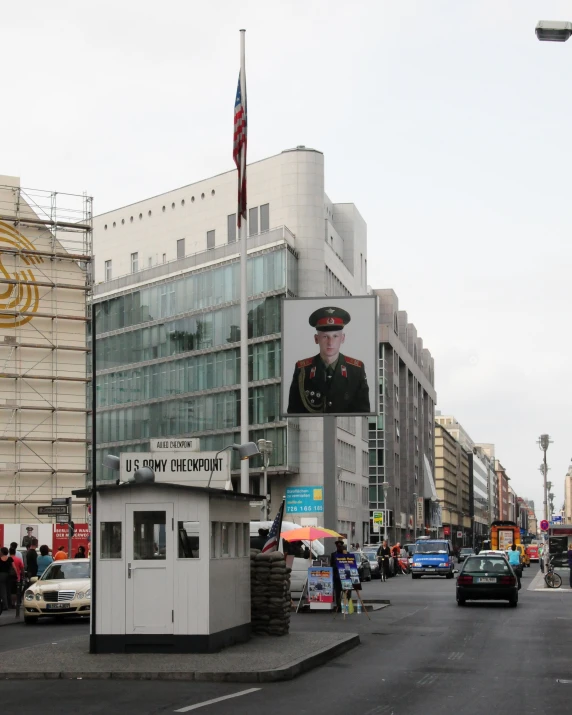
x=421, y=655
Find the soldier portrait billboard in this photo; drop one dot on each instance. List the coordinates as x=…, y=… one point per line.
x=329, y=356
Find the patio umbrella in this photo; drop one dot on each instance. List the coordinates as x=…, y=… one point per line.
x=309, y=533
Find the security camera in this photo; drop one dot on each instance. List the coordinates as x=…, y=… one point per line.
x=553, y=30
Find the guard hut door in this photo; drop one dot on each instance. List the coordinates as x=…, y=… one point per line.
x=150, y=562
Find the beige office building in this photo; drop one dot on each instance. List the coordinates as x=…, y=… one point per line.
x=45, y=279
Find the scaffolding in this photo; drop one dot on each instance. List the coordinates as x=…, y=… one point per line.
x=46, y=281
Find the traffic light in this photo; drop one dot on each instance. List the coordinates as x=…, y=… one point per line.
x=71, y=527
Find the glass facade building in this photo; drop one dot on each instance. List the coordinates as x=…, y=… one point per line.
x=168, y=358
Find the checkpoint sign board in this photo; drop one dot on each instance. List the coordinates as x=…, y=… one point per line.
x=544, y=525
x=304, y=500
x=186, y=468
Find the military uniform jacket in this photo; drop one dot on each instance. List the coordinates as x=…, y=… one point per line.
x=312, y=391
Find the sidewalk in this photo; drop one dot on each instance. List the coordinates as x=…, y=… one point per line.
x=538, y=583
x=8, y=618
x=263, y=659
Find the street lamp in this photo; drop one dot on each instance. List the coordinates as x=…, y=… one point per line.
x=543, y=443
x=385, y=486
x=245, y=451
x=553, y=30
x=265, y=448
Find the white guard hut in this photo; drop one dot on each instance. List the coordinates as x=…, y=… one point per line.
x=171, y=572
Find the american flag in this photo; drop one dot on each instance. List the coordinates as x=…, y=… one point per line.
x=239, y=144
x=274, y=533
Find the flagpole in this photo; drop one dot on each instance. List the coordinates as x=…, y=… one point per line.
x=244, y=476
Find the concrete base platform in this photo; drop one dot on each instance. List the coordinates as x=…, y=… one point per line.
x=264, y=659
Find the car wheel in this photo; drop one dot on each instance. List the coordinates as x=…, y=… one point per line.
x=461, y=602
x=415, y=575
x=30, y=620
x=450, y=574
x=368, y=578
x=513, y=602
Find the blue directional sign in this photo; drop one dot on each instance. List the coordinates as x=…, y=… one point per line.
x=304, y=500
x=556, y=519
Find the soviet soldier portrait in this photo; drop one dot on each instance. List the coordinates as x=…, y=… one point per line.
x=329, y=382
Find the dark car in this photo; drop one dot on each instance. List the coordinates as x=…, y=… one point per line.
x=487, y=578
x=464, y=553
x=364, y=568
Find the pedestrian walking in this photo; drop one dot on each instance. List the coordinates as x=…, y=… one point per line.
x=395, y=551
x=44, y=560
x=16, y=579
x=514, y=561
x=383, y=554
x=80, y=553
x=541, y=557
x=6, y=571
x=570, y=561
x=61, y=554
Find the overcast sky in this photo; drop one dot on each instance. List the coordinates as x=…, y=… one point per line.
x=445, y=121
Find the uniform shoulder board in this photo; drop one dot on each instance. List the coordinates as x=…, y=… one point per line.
x=354, y=362
x=305, y=363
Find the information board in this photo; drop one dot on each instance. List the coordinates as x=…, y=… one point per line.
x=304, y=500
x=348, y=571
x=321, y=587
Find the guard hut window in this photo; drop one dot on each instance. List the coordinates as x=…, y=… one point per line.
x=110, y=539
x=181, y=248
x=210, y=239
x=134, y=262
x=188, y=537
x=107, y=270
x=149, y=543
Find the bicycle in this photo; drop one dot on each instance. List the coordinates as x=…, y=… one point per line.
x=552, y=579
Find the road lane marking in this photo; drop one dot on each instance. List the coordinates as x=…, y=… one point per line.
x=216, y=700
x=455, y=656
x=428, y=679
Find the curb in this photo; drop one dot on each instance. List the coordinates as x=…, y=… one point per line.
x=12, y=622
x=287, y=672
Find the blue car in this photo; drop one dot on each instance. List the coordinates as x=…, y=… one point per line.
x=432, y=557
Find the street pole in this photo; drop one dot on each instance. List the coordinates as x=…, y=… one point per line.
x=265, y=448
x=543, y=442
x=385, y=486
x=330, y=478
x=414, y=516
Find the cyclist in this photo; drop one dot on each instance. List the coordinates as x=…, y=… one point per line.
x=514, y=561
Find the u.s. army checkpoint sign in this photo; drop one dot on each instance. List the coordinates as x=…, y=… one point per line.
x=187, y=468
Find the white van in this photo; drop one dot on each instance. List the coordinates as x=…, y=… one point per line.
x=299, y=566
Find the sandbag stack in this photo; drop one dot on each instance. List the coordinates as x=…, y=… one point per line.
x=270, y=593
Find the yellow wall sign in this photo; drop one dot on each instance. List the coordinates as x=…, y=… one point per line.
x=22, y=296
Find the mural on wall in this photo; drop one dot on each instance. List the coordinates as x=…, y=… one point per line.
x=24, y=296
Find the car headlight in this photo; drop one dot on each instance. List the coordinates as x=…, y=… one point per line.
x=38, y=597
x=88, y=593
x=416, y=564
x=29, y=596
x=443, y=564
x=80, y=594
